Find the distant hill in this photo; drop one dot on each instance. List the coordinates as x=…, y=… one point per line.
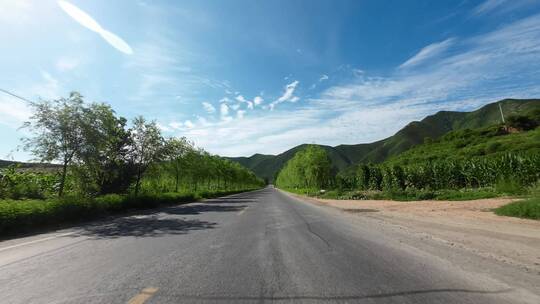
x=23, y=165
x=468, y=143
x=433, y=126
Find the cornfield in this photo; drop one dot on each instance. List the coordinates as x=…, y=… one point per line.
x=523, y=169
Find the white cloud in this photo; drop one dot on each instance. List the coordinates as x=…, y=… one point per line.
x=189, y=124
x=208, y=107
x=501, y=6
x=258, y=100
x=323, y=77
x=428, y=52
x=240, y=98
x=240, y=114
x=176, y=125
x=288, y=95
x=224, y=109
x=13, y=112
x=164, y=128
x=250, y=105
x=202, y=121
x=87, y=21
x=289, y=91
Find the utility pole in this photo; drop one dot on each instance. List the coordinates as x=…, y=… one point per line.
x=502, y=115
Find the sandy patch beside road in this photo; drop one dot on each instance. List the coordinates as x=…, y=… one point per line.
x=466, y=224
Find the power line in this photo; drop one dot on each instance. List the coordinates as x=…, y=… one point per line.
x=16, y=96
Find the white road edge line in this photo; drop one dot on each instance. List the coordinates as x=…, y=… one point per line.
x=36, y=241
x=242, y=211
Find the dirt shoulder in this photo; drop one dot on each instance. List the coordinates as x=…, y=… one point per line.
x=470, y=225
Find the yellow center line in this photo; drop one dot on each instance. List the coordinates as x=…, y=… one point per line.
x=145, y=294
x=243, y=210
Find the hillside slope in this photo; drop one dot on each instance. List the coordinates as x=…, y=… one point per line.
x=433, y=126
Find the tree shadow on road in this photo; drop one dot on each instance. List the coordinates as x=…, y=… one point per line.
x=200, y=208
x=144, y=226
x=231, y=200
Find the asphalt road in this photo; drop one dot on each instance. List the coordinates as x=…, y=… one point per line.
x=261, y=246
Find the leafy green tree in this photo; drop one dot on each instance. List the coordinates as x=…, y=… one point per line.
x=175, y=153
x=106, y=145
x=147, y=147
x=57, y=126
x=310, y=168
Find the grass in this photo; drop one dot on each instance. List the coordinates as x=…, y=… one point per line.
x=404, y=195
x=528, y=208
x=441, y=195
x=464, y=144
x=21, y=216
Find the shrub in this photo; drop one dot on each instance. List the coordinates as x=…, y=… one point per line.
x=24, y=215
x=520, y=122
x=529, y=208
x=509, y=186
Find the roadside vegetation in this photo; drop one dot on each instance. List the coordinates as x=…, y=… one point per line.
x=500, y=160
x=528, y=208
x=104, y=165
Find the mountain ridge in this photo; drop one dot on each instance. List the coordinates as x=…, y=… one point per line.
x=432, y=126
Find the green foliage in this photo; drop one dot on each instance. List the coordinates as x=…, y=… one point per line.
x=529, y=208
x=464, y=144
x=18, y=184
x=309, y=168
x=508, y=173
x=99, y=155
x=58, y=132
x=18, y=216
x=104, y=165
x=523, y=123
x=510, y=186
x=147, y=147
x=198, y=171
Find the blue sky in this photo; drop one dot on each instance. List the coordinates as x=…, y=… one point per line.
x=244, y=77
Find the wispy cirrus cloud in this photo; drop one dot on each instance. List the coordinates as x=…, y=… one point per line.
x=87, y=21
x=428, y=52
x=208, y=107
x=501, y=6
x=288, y=95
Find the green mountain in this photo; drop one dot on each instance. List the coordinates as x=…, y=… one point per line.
x=22, y=165
x=433, y=126
x=467, y=143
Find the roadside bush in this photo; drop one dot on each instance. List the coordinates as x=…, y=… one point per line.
x=17, y=184
x=25, y=215
x=509, y=186
x=529, y=208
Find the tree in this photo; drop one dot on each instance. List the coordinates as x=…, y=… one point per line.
x=105, y=150
x=147, y=147
x=310, y=168
x=58, y=131
x=175, y=151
